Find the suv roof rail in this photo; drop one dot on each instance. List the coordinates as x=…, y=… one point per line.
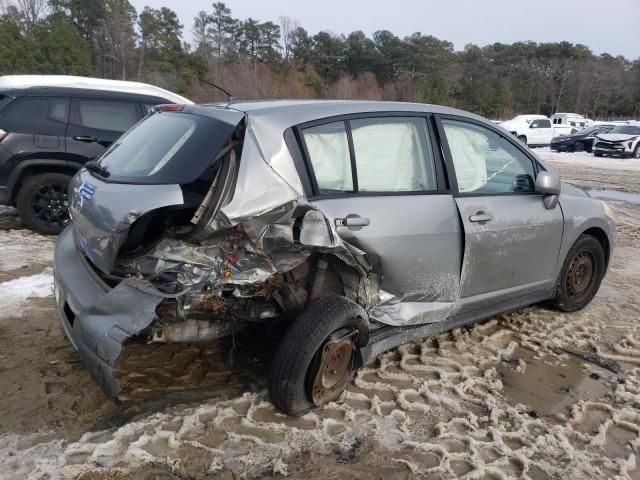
x=29, y=81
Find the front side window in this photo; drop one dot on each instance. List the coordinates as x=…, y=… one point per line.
x=105, y=115
x=485, y=162
x=390, y=154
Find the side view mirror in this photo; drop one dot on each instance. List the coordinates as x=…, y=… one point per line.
x=549, y=184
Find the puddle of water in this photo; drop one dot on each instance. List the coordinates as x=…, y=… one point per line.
x=615, y=195
x=549, y=389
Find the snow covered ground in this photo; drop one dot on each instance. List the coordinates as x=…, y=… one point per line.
x=508, y=398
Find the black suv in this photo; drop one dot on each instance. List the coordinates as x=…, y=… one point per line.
x=47, y=134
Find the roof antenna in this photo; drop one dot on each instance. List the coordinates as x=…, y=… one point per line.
x=230, y=97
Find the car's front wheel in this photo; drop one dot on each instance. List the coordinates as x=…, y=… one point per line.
x=43, y=204
x=578, y=147
x=318, y=355
x=581, y=275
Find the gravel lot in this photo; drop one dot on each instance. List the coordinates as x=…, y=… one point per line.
x=512, y=397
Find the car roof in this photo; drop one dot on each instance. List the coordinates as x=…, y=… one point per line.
x=16, y=83
x=283, y=114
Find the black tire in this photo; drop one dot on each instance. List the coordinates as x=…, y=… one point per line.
x=42, y=202
x=523, y=139
x=578, y=147
x=572, y=293
x=294, y=358
x=636, y=152
x=597, y=154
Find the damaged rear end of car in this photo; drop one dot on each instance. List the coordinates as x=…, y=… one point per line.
x=182, y=232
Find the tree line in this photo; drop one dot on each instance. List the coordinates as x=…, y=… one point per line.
x=280, y=59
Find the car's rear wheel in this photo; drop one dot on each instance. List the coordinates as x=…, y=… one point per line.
x=578, y=147
x=318, y=355
x=636, y=152
x=42, y=202
x=581, y=275
x=523, y=139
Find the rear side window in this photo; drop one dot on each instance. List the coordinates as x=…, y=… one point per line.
x=328, y=149
x=381, y=154
x=105, y=115
x=4, y=100
x=35, y=114
x=166, y=148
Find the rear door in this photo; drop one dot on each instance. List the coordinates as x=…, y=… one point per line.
x=511, y=241
x=94, y=124
x=379, y=179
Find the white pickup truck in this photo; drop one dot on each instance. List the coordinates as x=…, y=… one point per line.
x=536, y=130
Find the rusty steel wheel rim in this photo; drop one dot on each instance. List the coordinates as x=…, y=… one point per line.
x=334, y=370
x=581, y=276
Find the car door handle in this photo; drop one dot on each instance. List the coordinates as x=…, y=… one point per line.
x=86, y=138
x=480, y=217
x=354, y=222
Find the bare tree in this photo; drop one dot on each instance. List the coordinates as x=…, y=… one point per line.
x=32, y=11
x=287, y=27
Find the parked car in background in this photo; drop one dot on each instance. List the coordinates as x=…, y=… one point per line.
x=579, y=141
x=202, y=221
x=532, y=130
x=620, y=141
x=50, y=126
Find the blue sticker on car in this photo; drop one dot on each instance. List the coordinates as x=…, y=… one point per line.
x=87, y=190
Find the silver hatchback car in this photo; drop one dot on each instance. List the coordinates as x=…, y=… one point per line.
x=358, y=225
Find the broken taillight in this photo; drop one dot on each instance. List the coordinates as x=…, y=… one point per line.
x=3, y=134
x=171, y=107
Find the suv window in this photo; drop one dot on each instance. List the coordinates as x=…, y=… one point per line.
x=541, y=124
x=390, y=154
x=105, y=115
x=485, y=162
x=35, y=115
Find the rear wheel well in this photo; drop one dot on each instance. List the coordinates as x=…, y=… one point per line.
x=38, y=169
x=601, y=236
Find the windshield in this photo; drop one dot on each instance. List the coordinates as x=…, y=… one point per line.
x=166, y=148
x=626, y=129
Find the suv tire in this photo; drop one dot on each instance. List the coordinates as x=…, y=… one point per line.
x=581, y=275
x=301, y=354
x=42, y=202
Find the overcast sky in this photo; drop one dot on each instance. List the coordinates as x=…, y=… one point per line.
x=604, y=26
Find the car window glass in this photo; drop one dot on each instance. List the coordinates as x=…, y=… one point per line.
x=544, y=123
x=328, y=150
x=25, y=114
x=485, y=162
x=393, y=154
x=58, y=109
x=104, y=115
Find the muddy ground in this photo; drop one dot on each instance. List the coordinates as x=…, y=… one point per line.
x=512, y=397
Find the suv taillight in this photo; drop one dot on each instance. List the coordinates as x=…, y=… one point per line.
x=3, y=134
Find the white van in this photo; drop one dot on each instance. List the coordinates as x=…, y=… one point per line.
x=570, y=119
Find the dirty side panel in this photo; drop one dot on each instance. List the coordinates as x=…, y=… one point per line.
x=415, y=242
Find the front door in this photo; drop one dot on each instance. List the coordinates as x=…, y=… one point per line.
x=377, y=179
x=95, y=124
x=511, y=241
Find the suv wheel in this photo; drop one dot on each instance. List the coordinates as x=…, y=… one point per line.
x=43, y=204
x=523, y=139
x=580, y=276
x=317, y=357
